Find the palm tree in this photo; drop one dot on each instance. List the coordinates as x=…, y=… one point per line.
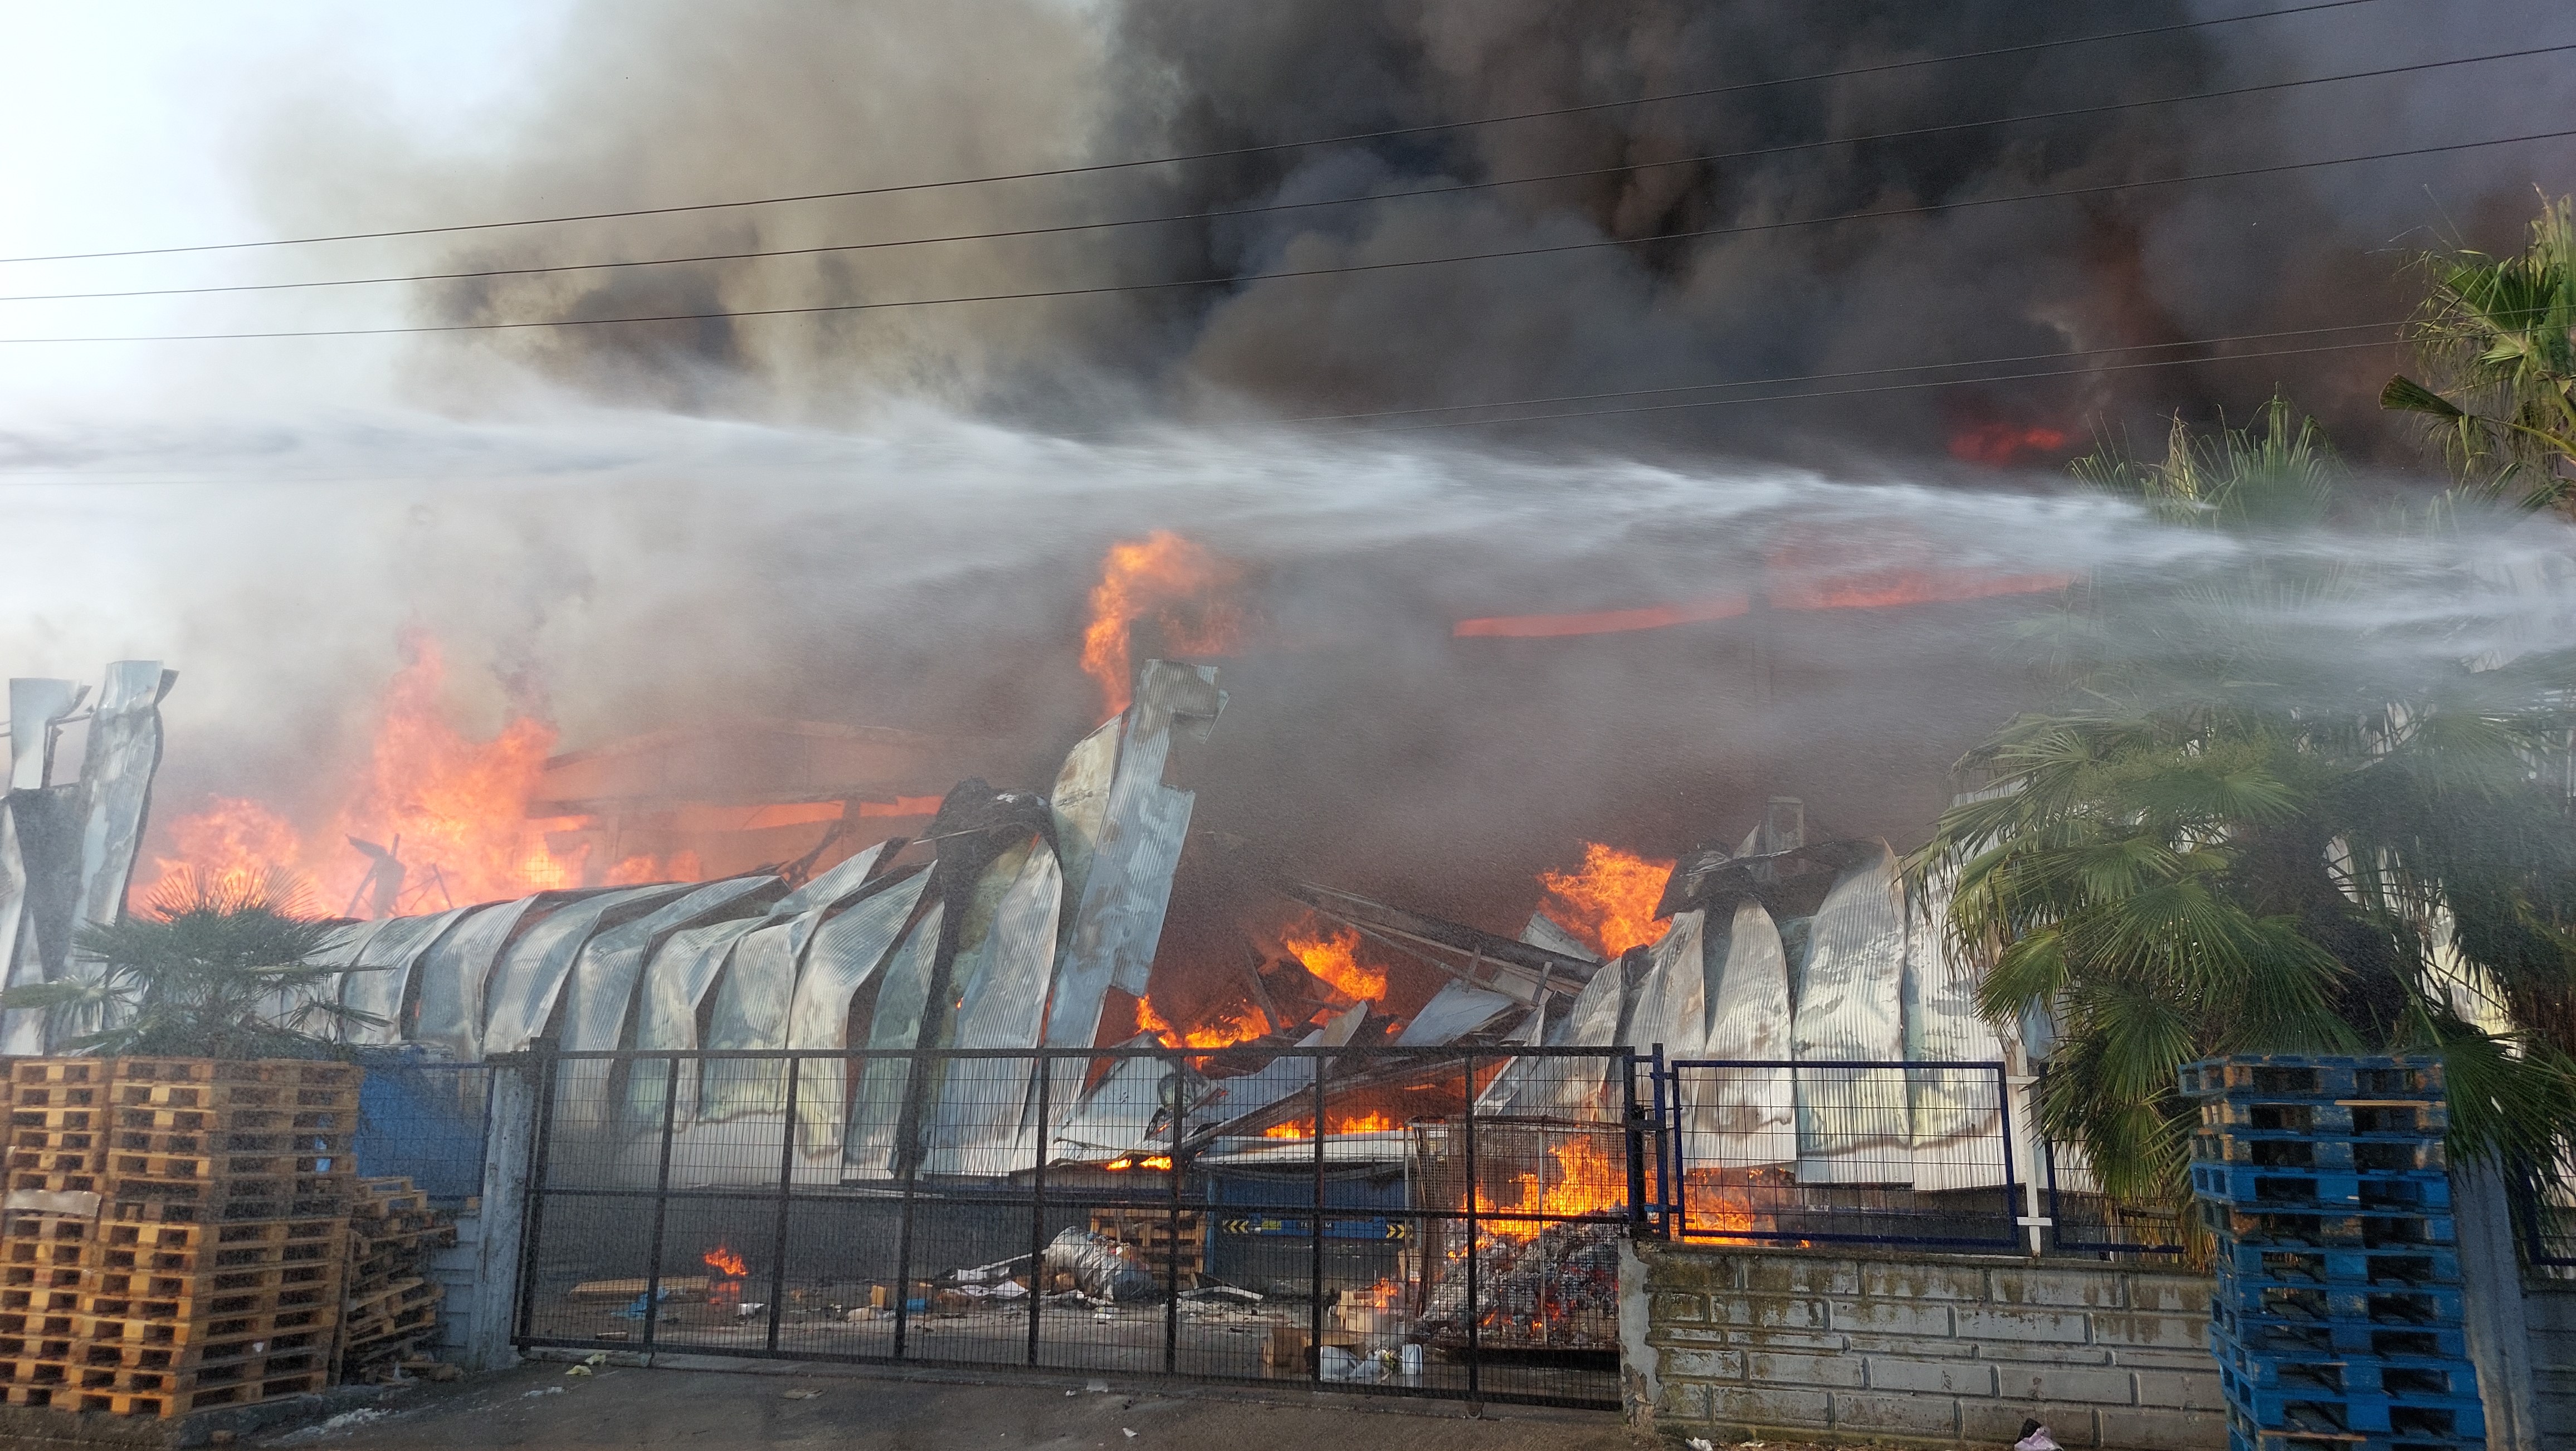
x=2225, y=837
x=2497, y=337
x=211, y=968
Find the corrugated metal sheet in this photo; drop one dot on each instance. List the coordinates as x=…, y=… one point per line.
x=757, y=990
x=675, y=982
x=846, y=952
x=452, y=974
x=117, y=766
x=532, y=973
x=22, y=1030
x=1672, y=1003
x=34, y=705
x=1118, y=1116
x=1455, y=1010
x=1853, y=1123
x=1080, y=805
x=599, y=1001
x=1119, y=920
x=895, y=1024
x=1955, y=1114
x=339, y=950
x=1745, y=1117
x=382, y=975
x=981, y=1126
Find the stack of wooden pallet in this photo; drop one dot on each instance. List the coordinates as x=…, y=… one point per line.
x=210, y=1265
x=392, y=1303
x=1151, y=1236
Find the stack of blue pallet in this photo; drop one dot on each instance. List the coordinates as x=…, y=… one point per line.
x=2337, y=1322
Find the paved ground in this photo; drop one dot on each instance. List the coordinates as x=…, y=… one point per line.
x=538, y=1405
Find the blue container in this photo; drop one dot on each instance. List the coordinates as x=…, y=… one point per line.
x=2246, y=1187
x=2448, y=1418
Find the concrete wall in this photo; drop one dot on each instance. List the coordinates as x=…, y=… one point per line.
x=2550, y=1306
x=1800, y=1345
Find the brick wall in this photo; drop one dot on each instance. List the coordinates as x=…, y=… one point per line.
x=1799, y=1345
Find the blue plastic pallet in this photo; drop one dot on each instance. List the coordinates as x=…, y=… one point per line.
x=2417, y=1375
x=2369, y=1119
x=2344, y=1228
x=2244, y=1186
x=2270, y=1335
x=2295, y=1077
x=2399, y=1305
x=2447, y=1417
x=2268, y=1149
x=2258, y=1440
x=2394, y=1266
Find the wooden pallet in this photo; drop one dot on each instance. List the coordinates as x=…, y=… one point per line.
x=387, y=1199
x=75, y=1112
x=47, y=1072
x=165, y=1404
x=145, y=1330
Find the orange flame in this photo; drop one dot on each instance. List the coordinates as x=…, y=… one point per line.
x=1224, y=1030
x=1335, y=959
x=725, y=1262
x=1610, y=902
x=2003, y=443
x=1374, y=1121
x=1168, y=579
x=1712, y=1211
x=458, y=805
x=1605, y=622
x=1150, y=1161
x=1587, y=1180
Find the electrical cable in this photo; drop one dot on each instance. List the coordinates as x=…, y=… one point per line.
x=1310, y=272
x=1451, y=189
x=1249, y=150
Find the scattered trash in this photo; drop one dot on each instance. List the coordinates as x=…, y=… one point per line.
x=1224, y=1292
x=749, y=1308
x=345, y=1421
x=578, y=1370
x=2035, y=1437
x=1130, y=1434
x=1100, y=1267
x=1700, y=1443
x=596, y=1357
x=987, y=1274
x=1408, y=1359
x=1096, y=1387
x=1335, y=1363
x=635, y=1311
x=545, y=1391
x=798, y=1395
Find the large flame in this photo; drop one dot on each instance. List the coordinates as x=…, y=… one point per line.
x=1220, y=1030
x=1335, y=959
x=1169, y=580
x=456, y=807
x=2004, y=443
x=1372, y=1121
x=1610, y=900
x=1587, y=1180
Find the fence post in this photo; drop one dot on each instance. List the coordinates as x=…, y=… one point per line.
x=661, y=1200
x=2499, y=1330
x=1172, y=1226
x=1475, y=1387
x=1037, y=1212
x=1631, y=1115
x=786, y=1197
x=1315, y=1223
x=501, y=1300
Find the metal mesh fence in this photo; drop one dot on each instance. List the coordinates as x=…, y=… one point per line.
x=1451, y=1229
x=1781, y=1152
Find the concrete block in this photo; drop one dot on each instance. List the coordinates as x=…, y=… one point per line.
x=2141, y=1428
x=1999, y=1422
x=1770, y=1408
x=2171, y=1332
x=1670, y=1309
x=1798, y=1274
x=1911, y=1347
x=2072, y=1384
x=1700, y=1365
x=1880, y=1280
x=2055, y=1327
x=1685, y=1401
x=1892, y=1317
x=1688, y=1271
x=2037, y=1352
x=2181, y=1390
x=1860, y=1414
x=1769, y=1313
x=2170, y=1294
x=2090, y=1289
x=1814, y=1370
x=1931, y=1377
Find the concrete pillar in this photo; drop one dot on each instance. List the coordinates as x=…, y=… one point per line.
x=2499, y=1331
x=491, y=1314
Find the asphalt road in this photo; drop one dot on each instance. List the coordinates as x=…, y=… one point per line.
x=781, y=1404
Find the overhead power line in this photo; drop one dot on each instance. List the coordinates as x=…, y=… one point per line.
x=1094, y=168
x=1448, y=189
x=817, y=309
